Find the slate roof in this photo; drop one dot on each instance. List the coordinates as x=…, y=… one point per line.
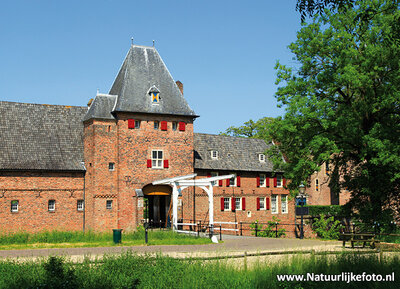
x=41, y=137
x=234, y=153
x=142, y=69
x=101, y=107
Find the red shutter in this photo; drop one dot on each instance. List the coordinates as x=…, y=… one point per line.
x=220, y=183
x=275, y=182
x=222, y=204
x=182, y=126
x=267, y=182
x=233, y=204
x=228, y=182
x=166, y=164
x=267, y=205
x=163, y=125
x=243, y=204
x=209, y=176
x=284, y=182
x=258, y=181
x=238, y=181
x=258, y=204
x=149, y=163
x=131, y=123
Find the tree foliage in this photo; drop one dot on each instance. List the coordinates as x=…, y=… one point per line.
x=342, y=105
x=311, y=7
x=252, y=129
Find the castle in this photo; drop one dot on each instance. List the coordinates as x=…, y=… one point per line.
x=93, y=168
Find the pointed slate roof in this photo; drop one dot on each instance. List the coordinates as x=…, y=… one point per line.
x=101, y=107
x=142, y=69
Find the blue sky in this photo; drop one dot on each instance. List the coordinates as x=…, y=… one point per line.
x=224, y=52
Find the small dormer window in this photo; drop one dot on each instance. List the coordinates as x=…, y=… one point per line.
x=261, y=158
x=214, y=155
x=154, y=95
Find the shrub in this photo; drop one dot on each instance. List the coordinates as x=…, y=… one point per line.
x=327, y=228
x=270, y=230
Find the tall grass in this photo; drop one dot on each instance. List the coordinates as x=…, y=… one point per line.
x=132, y=271
x=89, y=237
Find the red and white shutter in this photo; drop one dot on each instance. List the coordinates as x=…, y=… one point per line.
x=149, y=163
x=258, y=204
x=275, y=182
x=233, y=204
x=222, y=204
x=228, y=182
x=238, y=181
x=182, y=126
x=267, y=182
x=267, y=205
x=131, y=123
x=243, y=204
x=284, y=182
x=220, y=183
x=258, y=181
x=164, y=125
x=166, y=164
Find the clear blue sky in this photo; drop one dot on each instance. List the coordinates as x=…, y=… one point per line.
x=224, y=52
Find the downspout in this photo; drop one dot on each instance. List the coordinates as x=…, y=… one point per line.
x=84, y=202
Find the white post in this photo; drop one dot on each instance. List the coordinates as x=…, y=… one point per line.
x=175, y=207
x=209, y=191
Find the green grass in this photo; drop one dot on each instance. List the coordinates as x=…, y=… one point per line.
x=57, y=239
x=132, y=271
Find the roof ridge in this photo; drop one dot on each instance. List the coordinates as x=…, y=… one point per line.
x=230, y=136
x=42, y=104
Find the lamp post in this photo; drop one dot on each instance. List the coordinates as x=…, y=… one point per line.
x=301, y=196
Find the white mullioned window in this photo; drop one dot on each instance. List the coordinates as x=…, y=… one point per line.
x=238, y=203
x=214, y=155
x=111, y=166
x=279, y=181
x=263, y=182
x=109, y=204
x=14, y=206
x=274, y=204
x=156, y=124
x=137, y=124
x=214, y=174
x=52, y=205
x=174, y=125
x=80, y=205
x=261, y=158
x=262, y=203
x=227, y=204
x=284, y=204
x=157, y=159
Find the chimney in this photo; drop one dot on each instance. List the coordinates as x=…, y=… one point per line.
x=180, y=85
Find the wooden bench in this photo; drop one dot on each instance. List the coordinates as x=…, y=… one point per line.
x=359, y=237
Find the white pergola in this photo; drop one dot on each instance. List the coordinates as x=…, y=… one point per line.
x=180, y=183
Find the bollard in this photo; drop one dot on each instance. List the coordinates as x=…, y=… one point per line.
x=220, y=232
x=241, y=233
x=256, y=228
x=276, y=229
x=145, y=236
x=198, y=229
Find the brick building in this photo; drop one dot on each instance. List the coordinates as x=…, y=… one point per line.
x=75, y=168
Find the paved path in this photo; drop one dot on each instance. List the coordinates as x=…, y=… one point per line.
x=231, y=245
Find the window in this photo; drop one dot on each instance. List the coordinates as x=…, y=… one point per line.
x=284, y=206
x=79, y=205
x=279, y=181
x=227, y=204
x=274, y=204
x=261, y=158
x=157, y=159
x=111, y=166
x=52, y=205
x=327, y=167
x=137, y=123
x=238, y=203
x=316, y=185
x=214, y=155
x=263, y=183
x=14, y=206
x=109, y=204
x=155, y=97
x=156, y=124
x=232, y=181
x=262, y=203
x=174, y=125
x=214, y=174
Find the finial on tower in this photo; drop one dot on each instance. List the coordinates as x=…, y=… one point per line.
x=153, y=42
x=131, y=40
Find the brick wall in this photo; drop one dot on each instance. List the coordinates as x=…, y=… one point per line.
x=33, y=190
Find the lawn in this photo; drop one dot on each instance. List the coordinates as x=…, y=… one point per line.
x=58, y=239
x=132, y=271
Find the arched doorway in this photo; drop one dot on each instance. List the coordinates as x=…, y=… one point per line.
x=157, y=205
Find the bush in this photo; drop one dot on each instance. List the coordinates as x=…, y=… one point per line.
x=327, y=228
x=332, y=210
x=270, y=230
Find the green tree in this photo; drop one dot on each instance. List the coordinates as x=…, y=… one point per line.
x=342, y=105
x=252, y=129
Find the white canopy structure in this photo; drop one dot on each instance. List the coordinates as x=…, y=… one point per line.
x=180, y=183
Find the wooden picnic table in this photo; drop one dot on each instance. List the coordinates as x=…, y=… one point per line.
x=359, y=237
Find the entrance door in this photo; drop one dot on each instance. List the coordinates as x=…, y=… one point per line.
x=157, y=205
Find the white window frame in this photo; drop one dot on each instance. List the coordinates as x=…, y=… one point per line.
x=13, y=208
x=238, y=203
x=233, y=181
x=137, y=124
x=263, y=202
x=214, y=155
x=109, y=204
x=111, y=166
x=263, y=177
x=174, y=126
x=284, y=204
x=214, y=183
x=274, y=204
x=227, y=208
x=261, y=158
x=156, y=125
x=279, y=181
x=157, y=162
x=51, y=205
x=80, y=205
